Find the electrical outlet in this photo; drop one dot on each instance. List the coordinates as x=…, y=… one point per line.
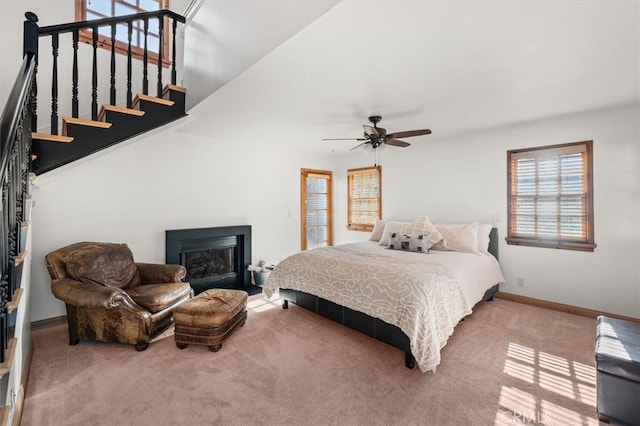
x=520, y=282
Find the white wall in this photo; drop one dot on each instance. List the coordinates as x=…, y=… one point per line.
x=463, y=179
x=194, y=173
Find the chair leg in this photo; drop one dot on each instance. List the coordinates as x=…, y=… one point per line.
x=73, y=341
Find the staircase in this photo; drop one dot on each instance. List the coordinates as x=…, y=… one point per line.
x=112, y=124
x=81, y=137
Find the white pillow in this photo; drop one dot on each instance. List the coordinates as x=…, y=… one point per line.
x=423, y=226
x=484, y=229
x=378, y=228
x=390, y=227
x=462, y=238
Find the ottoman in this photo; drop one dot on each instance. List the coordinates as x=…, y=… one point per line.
x=618, y=370
x=210, y=318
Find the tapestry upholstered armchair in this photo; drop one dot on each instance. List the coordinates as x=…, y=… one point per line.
x=111, y=298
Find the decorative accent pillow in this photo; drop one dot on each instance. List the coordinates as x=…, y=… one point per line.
x=484, y=229
x=391, y=227
x=416, y=243
x=462, y=238
x=378, y=228
x=423, y=226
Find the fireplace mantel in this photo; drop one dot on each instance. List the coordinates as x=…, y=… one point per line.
x=179, y=241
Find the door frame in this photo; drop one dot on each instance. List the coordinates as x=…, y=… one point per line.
x=304, y=173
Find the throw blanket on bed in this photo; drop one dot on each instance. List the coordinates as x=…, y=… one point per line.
x=423, y=299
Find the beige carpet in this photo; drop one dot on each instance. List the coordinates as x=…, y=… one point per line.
x=505, y=364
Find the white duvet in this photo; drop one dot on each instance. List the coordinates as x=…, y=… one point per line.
x=425, y=295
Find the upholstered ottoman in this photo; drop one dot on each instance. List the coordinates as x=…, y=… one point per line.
x=210, y=318
x=618, y=370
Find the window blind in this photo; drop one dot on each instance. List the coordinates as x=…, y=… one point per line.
x=550, y=196
x=364, y=197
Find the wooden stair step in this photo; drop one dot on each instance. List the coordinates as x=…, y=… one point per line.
x=140, y=97
x=20, y=258
x=174, y=88
x=51, y=138
x=15, y=301
x=119, y=109
x=82, y=122
x=5, y=367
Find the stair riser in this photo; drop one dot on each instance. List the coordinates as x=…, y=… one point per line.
x=88, y=140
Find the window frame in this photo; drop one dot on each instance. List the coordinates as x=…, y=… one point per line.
x=351, y=224
x=587, y=240
x=122, y=48
x=304, y=173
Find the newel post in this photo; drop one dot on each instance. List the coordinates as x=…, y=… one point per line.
x=31, y=35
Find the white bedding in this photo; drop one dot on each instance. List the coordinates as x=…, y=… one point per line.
x=425, y=295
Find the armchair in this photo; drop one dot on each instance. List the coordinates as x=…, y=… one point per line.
x=111, y=298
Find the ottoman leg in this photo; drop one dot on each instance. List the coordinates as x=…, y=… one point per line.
x=215, y=348
x=181, y=345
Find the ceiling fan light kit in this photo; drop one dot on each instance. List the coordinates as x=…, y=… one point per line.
x=376, y=138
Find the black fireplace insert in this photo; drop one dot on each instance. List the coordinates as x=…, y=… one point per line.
x=214, y=257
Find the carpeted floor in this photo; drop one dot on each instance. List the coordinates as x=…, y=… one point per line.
x=505, y=364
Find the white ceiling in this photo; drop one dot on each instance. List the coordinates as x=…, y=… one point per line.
x=451, y=66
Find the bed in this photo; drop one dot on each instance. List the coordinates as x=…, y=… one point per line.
x=411, y=301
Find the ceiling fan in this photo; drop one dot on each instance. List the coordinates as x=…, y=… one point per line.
x=376, y=136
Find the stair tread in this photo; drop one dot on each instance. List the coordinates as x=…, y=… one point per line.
x=174, y=88
x=141, y=97
x=82, y=122
x=51, y=138
x=115, y=108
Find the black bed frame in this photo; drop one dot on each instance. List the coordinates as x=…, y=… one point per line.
x=364, y=323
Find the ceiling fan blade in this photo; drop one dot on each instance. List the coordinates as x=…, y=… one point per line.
x=397, y=142
x=409, y=133
x=358, y=146
x=345, y=139
x=371, y=131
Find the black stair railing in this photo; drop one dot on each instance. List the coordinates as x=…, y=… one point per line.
x=16, y=125
x=54, y=31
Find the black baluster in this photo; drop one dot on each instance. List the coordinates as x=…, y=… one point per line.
x=54, y=85
x=34, y=100
x=160, y=50
x=4, y=255
x=74, y=86
x=173, y=54
x=129, y=94
x=112, y=97
x=94, y=76
x=145, y=59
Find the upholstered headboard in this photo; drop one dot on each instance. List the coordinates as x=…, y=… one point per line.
x=493, y=242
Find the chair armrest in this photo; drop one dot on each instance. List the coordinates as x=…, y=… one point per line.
x=75, y=293
x=155, y=273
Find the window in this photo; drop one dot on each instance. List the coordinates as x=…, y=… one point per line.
x=364, y=197
x=315, y=191
x=87, y=10
x=550, y=195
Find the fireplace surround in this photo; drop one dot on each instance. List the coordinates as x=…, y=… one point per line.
x=214, y=257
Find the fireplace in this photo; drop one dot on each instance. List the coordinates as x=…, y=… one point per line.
x=214, y=257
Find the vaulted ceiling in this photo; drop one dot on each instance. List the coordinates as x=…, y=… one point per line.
x=449, y=66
